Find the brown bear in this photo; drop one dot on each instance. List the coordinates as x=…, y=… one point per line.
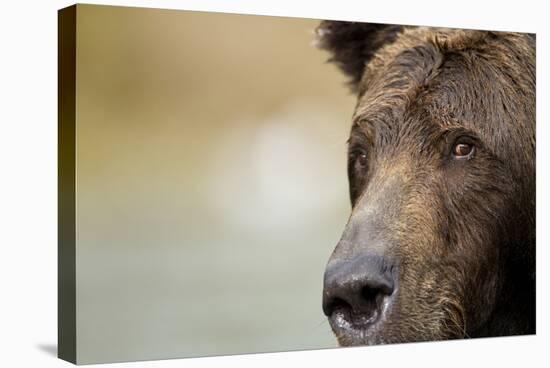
x=440, y=243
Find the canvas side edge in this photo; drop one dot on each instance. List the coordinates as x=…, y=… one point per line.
x=66, y=333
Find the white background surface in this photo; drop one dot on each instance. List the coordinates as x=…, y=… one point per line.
x=28, y=182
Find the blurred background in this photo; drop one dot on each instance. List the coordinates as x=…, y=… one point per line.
x=211, y=183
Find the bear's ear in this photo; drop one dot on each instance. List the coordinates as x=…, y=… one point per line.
x=353, y=44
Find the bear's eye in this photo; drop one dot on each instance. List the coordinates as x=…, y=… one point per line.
x=463, y=150
x=361, y=160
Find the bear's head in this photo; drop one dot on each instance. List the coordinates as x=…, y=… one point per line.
x=440, y=243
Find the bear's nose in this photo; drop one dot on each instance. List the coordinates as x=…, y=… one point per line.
x=358, y=288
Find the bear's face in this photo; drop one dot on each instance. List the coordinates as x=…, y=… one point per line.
x=441, y=168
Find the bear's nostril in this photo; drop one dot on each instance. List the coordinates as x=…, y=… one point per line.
x=369, y=293
x=339, y=304
x=370, y=300
x=360, y=306
x=356, y=291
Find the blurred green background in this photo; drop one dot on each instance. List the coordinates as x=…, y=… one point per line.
x=211, y=183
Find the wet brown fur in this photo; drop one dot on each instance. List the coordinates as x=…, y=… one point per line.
x=462, y=230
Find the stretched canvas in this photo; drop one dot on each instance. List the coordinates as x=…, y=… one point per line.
x=235, y=184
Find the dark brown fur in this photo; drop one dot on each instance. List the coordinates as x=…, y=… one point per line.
x=462, y=231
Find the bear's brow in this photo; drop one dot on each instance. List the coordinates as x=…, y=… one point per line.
x=362, y=120
x=368, y=121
